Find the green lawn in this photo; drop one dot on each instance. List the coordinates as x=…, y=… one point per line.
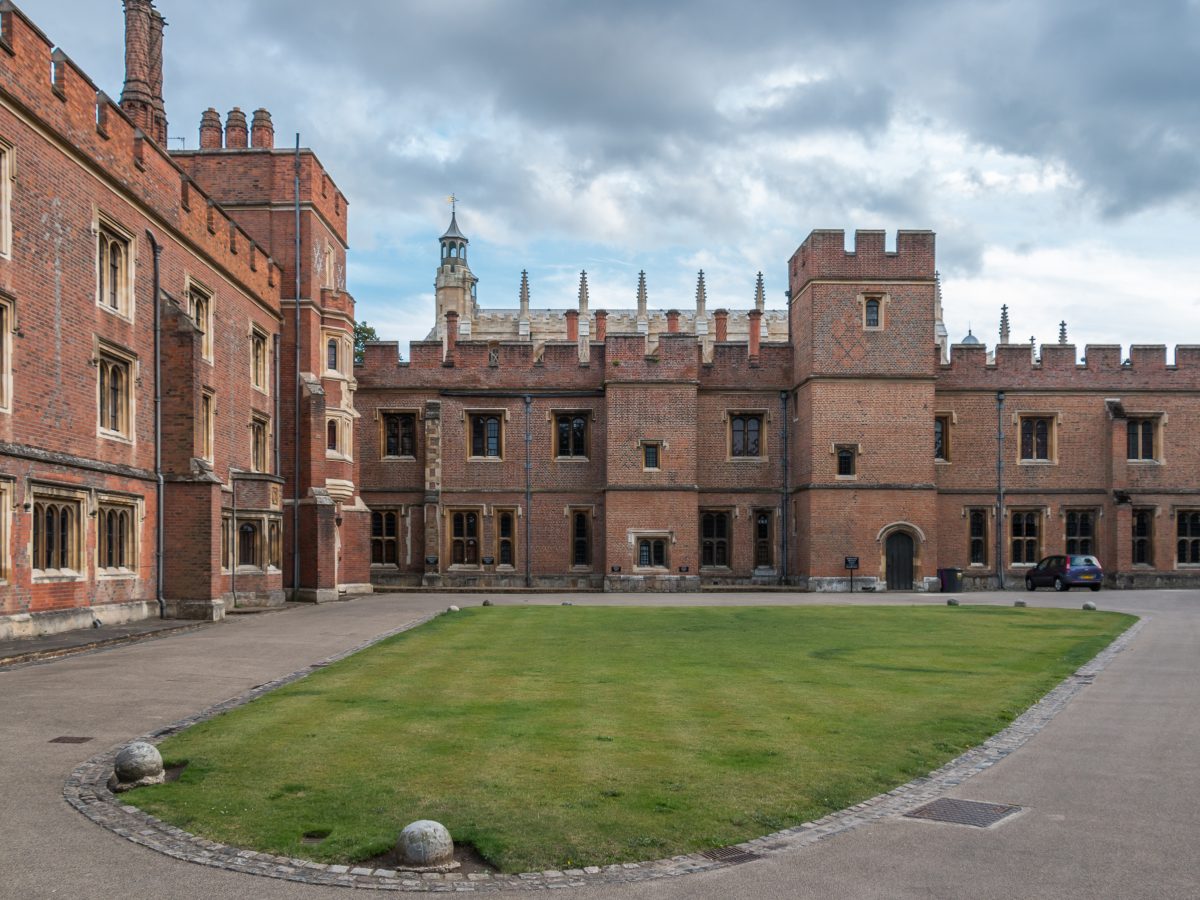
x=551, y=737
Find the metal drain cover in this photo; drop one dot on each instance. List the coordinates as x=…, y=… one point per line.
x=962, y=812
x=730, y=855
x=68, y=739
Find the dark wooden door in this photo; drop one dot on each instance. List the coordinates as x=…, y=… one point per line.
x=899, y=561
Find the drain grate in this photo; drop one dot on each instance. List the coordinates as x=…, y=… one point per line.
x=68, y=739
x=963, y=812
x=730, y=855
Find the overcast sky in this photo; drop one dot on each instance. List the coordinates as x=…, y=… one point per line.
x=1053, y=146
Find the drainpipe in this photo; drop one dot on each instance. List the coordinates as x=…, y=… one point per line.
x=1000, y=488
x=237, y=541
x=528, y=493
x=275, y=393
x=158, y=474
x=783, y=500
x=296, y=422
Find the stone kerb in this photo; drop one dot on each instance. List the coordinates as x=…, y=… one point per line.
x=87, y=792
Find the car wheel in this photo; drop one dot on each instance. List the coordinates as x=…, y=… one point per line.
x=1029, y=585
x=1094, y=587
x=1059, y=584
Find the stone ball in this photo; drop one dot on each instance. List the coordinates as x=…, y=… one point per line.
x=952, y=602
x=1089, y=605
x=452, y=609
x=137, y=761
x=1020, y=603
x=487, y=603
x=425, y=843
x=567, y=603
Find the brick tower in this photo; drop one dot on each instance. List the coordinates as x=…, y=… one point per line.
x=142, y=97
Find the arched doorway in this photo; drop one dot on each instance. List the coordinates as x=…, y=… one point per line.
x=899, y=561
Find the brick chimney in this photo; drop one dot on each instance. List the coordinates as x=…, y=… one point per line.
x=262, y=130
x=672, y=321
x=451, y=337
x=211, y=132
x=601, y=325
x=236, y=135
x=142, y=96
x=722, y=317
x=572, y=324
x=755, y=331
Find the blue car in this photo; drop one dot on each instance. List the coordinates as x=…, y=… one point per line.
x=1065, y=572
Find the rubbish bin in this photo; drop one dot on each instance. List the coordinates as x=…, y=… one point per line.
x=951, y=580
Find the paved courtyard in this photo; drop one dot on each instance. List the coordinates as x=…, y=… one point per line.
x=1108, y=788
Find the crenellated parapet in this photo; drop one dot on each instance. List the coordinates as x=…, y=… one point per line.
x=43, y=84
x=1102, y=368
x=823, y=255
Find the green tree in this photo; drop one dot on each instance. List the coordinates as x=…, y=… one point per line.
x=362, y=334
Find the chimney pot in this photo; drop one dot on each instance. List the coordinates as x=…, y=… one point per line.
x=262, y=130
x=236, y=135
x=601, y=325
x=572, y=324
x=451, y=335
x=755, y=331
x=722, y=317
x=672, y=321
x=211, y=133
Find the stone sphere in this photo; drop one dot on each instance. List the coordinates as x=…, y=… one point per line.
x=1019, y=603
x=137, y=761
x=488, y=603
x=426, y=843
x=952, y=602
x=1089, y=605
x=451, y=608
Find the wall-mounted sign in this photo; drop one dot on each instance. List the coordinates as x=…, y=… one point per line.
x=431, y=560
x=489, y=560
x=616, y=568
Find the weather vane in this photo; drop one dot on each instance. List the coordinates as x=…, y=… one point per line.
x=453, y=201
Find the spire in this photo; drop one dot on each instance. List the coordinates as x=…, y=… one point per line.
x=1033, y=348
x=583, y=292
x=524, y=294
x=760, y=299
x=1062, y=332
x=452, y=231
x=641, y=297
x=1004, y=324
x=701, y=294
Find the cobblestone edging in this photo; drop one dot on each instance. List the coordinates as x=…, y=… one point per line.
x=86, y=791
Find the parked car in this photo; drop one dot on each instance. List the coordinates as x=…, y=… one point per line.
x=1065, y=572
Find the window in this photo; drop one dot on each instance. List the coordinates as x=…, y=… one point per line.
x=572, y=435
x=206, y=426
x=1080, y=530
x=506, y=537
x=652, y=553
x=941, y=438
x=274, y=543
x=487, y=436
x=201, y=303
x=6, y=157
x=714, y=539
x=1037, y=434
x=399, y=434
x=1187, y=545
x=745, y=435
x=1143, y=537
x=1026, y=545
x=57, y=535
x=651, y=455
x=977, y=529
x=331, y=435
x=332, y=355
x=248, y=549
x=116, y=395
x=1140, y=439
x=764, y=547
x=258, y=359
x=5, y=529
x=384, y=531
x=464, y=539
x=871, y=312
x=226, y=542
x=258, y=444
x=116, y=537
x=6, y=324
x=847, y=459
x=113, y=269
x=581, y=539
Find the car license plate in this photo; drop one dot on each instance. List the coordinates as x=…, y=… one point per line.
x=1087, y=577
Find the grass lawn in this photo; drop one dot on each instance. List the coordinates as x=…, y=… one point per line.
x=552, y=737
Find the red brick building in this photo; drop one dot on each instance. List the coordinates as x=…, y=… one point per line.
x=665, y=450
x=155, y=453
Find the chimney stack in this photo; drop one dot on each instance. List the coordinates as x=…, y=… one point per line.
x=142, y=96
x=262, y=130
x=601, y=325
x=755, y=332
x=236, y=135
x=212, y=135
x=572, y=324
x=722, y=317
x=451, y=337
x=672, y=321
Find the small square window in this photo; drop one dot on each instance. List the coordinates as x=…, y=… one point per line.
x=651, y=455
x=1037, y=438
x=847, y=460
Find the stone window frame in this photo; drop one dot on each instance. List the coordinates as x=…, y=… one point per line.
x=345, y=353
x=344, y=425
x=109, y=235
x=650, y=538
x=200, y=308
x=1096, y=513
x=127, y=511
x=273, y=542
x=589, y=539
x=1054, y=422
x=1041, y=516
x=7, y=177
x=207, y=423
x=227, y=543
x=588, y=416
x=381, y=415
x=8, y=327
x=498, y=538
x=39, y=497
x=836, y=449
x=260, y=451
x=260, y=360
x=883, y=299
x=383, y=539
x=469, y=415
x=660, y=448
x=986, y=514
x=729, y=514
x=1157, y=421
x=257, y=563
x=451, y=512
x=109, y=359
x=1147, y=540
x=764, y=420
x=7, y=494
x=1186, y=537
x=772, y=514
x=948, y=420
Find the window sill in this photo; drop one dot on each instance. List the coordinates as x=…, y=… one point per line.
x=56, y=576
x=340, y=457
x=249, y=570
x=1144, y=462
x=579, y=570
x=716, y=570
x=115, y=436
x=397, y=459
x=116, y=313
x=846, y=477
x=116, y=574
x=1022, y=565
x=651, y=570
x=747, y=459
x=464, y=567
x=1037, y=462
x=485, y=459
x=572, y=459
x=376, y=565
x=937, y=460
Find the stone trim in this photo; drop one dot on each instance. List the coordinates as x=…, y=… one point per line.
x=86, y=790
